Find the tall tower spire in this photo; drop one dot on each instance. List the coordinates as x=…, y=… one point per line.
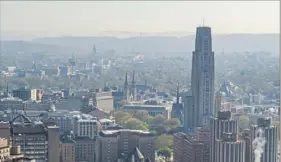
x=126, y=78
x=178, y=93
x=126, y=88
x=133, y=87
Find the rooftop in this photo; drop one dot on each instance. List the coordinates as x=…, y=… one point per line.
x=117, y=132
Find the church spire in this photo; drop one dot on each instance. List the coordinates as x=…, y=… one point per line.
x=126, y=78
x=178, y=95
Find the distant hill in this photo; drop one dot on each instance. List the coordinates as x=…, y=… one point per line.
x=163, y=44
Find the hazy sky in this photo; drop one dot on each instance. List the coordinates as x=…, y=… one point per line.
x=91, y=17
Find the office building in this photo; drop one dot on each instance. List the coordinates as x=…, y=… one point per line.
x=5, y=130
x=36, y=140
x=84, y=149
x=11, y=103
x=219, y=125
x=246, y=136
x=36, y=94
x=202, y=77
x=117, y=98
x=11, y=154
x=86, y=126
x=105, y=123
x=187, y=111
x=115, y=144
x=229, y=148
x=67, y=149
x=23, y=93
x=266, y=132
x=192, y=147
x=218, y=101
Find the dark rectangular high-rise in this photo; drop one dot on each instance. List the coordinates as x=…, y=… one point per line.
x=202, y=81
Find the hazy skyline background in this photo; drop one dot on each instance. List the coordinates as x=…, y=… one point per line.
x=31, y=19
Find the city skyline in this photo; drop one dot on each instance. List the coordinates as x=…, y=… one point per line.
x=109, y=18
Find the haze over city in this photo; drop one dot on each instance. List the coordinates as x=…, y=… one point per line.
x=31, y=19
x=140, y=81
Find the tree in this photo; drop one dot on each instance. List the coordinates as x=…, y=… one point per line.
x=122, y=117
x=164, y=141
x=243, y=122
x=141, y=114
x=165, y=152
x=172, y=123
x=148, y=119
x=134, y=123
x=158, y=120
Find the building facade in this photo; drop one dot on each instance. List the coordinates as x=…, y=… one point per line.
x=84, y=149
x=115, y=144
x=187, y=111
x=86, y=126
x=36, y=140
x=219, y=125
x=67, y=150
x=192, y=147
x=266, y=132
x=229, y=148
x=202, y=77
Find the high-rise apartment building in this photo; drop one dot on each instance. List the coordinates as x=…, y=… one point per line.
x=266, y=132
x=36, y=140
x=114, y=144
x=23, y=93
x=192, y=147
x=202, y=78
x=229, y=148
x=219, y=125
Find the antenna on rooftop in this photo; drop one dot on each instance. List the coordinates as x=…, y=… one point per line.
x=203, y=21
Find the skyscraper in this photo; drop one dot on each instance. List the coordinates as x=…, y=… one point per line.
x=264, y=136
x=220, y=125
x=202, y=81
x=229, y=148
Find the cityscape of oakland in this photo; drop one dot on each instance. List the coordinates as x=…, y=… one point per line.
x=139, y=81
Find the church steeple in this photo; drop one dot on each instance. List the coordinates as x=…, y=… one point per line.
x=178, y=95
x=126, y=79
x=133, y=87
x=126, y=88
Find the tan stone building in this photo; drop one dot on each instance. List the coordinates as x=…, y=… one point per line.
x=116, y=144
